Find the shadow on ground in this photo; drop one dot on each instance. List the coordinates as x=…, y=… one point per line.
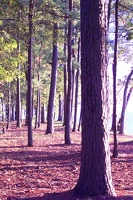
x=68, y=195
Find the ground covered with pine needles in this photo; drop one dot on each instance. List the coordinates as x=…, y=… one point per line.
x=49, y=170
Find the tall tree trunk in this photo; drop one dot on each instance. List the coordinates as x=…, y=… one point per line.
x=69, y=91
x=115, y=150
x=18, y=101
x=76, y=90
x=95, y=171
x=76, y=102
x=65, y=78
x=73, y=92
x=31, y=8
x=38, y=110
x=50, y=114
x=124, y=105
x=18, y=96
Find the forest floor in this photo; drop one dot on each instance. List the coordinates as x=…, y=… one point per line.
x=49, y=170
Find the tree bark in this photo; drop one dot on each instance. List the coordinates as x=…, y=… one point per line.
x=65, y=78
x=50, y=114
x=115, y=150
x=76, y=102
x=18, y=99
x=95, y=171
x=69, y=91
x=30, y=139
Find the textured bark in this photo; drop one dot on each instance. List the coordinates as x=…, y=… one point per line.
x=30, y=139
x=65, y=79
x=50, y=114
x=69, y=91
x=95, y=171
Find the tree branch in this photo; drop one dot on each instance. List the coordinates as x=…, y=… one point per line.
x=125, y=7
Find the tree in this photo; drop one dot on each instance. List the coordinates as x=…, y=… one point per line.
x=69, y=69
x=31, y=10
x=115, y=151
x=125, y=102
x=95, y=171
x=50, y=114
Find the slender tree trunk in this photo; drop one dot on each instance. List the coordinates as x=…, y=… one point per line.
x=26, y=120
x=124, y=105
x=13, y=112
x=50, y=114
x=115, y=150
x=60, y=109
x=9, y=106
x=18, y=97
x=76, y=102
x=76, y=90
x=18, y=104
x=73, y=92
x=43, y=120
x=80, y=121
x=69, y=69
x=3, y=118
x=109, y=11
x=65, y=76
x=122, y=117
x=38, y=112
x=30, y=139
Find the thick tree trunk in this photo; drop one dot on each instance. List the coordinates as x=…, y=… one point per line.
x=50, y=114
x=95, y=171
